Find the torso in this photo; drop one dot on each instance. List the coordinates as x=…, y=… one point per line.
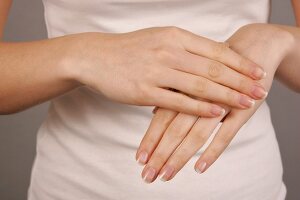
x=86, y=146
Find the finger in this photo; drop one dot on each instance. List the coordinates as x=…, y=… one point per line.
x=172, y=137
x=195, y=139
x=157, y=127
x=183, y=103
x=154, y=110
x=219, y=73
x=233, y=122
x=221, y=52
x=206, y=89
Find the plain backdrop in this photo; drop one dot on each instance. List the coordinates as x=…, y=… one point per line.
x=18, y=131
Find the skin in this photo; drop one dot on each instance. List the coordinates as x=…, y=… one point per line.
x=296, y=6
x=169, y=129
x=107, y=68
x=101, y=62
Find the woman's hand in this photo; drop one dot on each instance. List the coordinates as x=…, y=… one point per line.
x=173, y=138
x=140, y=67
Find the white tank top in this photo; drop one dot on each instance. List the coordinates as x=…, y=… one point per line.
x=86, y=146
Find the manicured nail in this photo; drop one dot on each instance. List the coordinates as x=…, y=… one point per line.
x=259, y=92
x=149, y=175
x=246, y=101
x=217, y=110
x=142, y=159
x=201, y=167
x=259, y=73
x=166, y=173
x=154, y=110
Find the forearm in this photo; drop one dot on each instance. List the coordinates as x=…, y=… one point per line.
x=4, y=10
x=288, y=71
x=34, y=72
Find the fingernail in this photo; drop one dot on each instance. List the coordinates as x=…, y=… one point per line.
x=154, y=110
x=149, y=175
x=246, y=101
x=201, y=167
x=259, y=92
x=217, y=110
x=259, y=73
x=142, y=159
x=166, y=173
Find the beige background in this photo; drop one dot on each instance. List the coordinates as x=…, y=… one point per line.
x=18, y=131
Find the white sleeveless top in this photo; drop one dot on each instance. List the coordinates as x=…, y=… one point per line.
x=86, y=146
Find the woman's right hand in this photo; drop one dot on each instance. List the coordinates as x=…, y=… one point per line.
x=140, y=67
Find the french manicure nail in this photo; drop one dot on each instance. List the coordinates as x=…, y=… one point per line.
x=245, y=101
x=149, y=175
x=142, y=159
x=166, y=173
x=259, y=73
x=201, y=167
x=217, y=110
x=259, y=92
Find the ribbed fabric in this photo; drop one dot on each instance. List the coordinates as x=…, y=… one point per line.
x=86, y=146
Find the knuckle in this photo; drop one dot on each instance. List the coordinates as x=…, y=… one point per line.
x=214, y=154
x=243, y=84
x=219, y=49
x=201, y=108
x=224, y=140
x=164, y=53
x=231, y=97
x=150, y=76
x=179, y=102
x=158, y=157
x=176, y=132
x=181, y=157
x=142, y=94
x=215, y=69
x=173, y=31
x=200, y=86
x=164, y=116
x=200, y=138
x=242, y=65
x=168, y=33
x=150, y=141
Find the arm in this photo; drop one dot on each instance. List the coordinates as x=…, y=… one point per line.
x=289, y=70
x=4, y=9
x=31, y=72
x=296, y=6
x=136, y=68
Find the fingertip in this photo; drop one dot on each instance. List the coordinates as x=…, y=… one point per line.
x=217, y=111
x=259, y=73
x=142, y=157
x=201, y=167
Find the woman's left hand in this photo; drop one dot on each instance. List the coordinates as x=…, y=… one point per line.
x=173, y=138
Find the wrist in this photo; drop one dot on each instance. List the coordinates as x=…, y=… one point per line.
x=76, y=58
x=279, y=38
x=289, y=41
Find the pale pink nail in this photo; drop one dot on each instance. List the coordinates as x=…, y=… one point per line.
x=246, y=101
x=149, y=175
x=201, y=167
x=142, y=159
x=259, y=73
x=166, y=173
x=259, y=92
x=217, y=110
